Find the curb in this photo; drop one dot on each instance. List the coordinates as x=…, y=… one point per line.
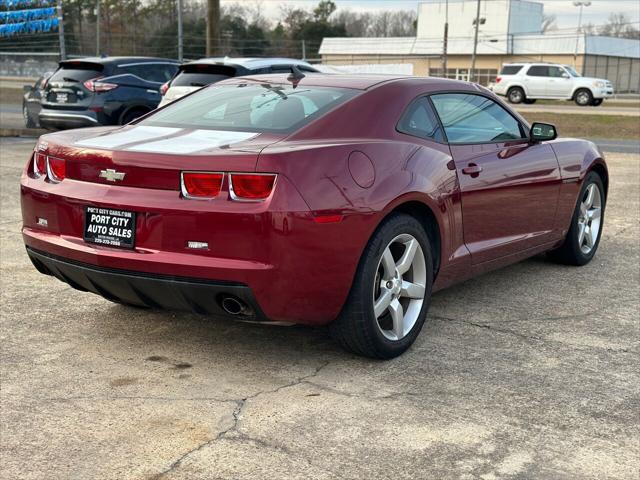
x=22, y=132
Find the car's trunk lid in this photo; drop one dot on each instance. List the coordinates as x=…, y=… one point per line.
x=153, y=157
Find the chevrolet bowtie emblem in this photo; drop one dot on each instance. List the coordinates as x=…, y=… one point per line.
x=111, y=175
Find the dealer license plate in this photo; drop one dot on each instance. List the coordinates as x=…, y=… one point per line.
x=113, y=228
x=62, y=97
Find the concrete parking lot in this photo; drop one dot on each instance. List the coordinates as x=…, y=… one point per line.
x=528, y=372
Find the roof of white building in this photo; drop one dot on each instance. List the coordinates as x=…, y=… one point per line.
x=549, y=44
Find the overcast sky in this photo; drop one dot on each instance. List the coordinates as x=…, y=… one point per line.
x=566, y=13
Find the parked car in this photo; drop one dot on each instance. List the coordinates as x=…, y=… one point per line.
x=103, y=91
x=528, y=82
x=329, y=199
x=31, y=100
x=197, y=74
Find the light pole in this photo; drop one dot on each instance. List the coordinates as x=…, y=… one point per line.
x=97, y=12
x=446, y=39
x=180, y=38
x=477, y=22
x=580, y=4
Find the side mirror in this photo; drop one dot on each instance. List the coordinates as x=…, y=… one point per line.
x=565, y=75
x=27, y=88
x=541, y=132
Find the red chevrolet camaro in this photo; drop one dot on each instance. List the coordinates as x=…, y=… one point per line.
x=318, y=199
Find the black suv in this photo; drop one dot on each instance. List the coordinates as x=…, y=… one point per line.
x=103, y=91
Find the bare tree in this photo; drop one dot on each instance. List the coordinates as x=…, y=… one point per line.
x=619, y=25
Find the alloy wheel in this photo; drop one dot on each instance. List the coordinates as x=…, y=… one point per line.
x=589, y=218
x=583, y=98
x=399, y=287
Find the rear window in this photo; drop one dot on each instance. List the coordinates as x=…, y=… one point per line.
x=510, y=69
x=250, y=107
x=77, y=72
x=201, y=75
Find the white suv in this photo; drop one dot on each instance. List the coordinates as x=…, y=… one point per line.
x=527, y=82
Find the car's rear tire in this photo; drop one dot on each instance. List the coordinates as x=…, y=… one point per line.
x=390, y=295
x=131, y=115
x=597, y=102
x=583, y=97
x=516, y=95
x=583, y=238
x=529, y=101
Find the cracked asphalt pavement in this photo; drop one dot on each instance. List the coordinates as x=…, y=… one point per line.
x=528, y=372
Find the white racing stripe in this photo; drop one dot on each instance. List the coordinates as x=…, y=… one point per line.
x=195, y=141
x=131, y=135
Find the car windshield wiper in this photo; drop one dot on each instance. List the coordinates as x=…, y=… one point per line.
x=195, y=84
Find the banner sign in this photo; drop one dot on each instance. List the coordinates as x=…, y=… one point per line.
x=25, y=3
x=35, y=26
x=17, y=16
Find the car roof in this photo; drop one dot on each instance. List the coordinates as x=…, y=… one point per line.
x=250, y=63
x=118, y=60
x=362, y=81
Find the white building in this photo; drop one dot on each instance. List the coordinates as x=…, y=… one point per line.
x=510, y=31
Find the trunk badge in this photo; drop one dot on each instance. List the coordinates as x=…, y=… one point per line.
x=111, y=175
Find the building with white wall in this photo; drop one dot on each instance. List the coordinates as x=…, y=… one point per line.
x=510, y=32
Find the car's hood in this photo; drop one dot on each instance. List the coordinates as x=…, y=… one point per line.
x=593, y=80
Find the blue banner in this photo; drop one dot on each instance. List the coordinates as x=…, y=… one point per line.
x=35, y=26
x=15, y=16
x=24, y=3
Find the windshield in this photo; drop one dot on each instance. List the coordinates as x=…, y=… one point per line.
x=250, y=107
x=571, y=71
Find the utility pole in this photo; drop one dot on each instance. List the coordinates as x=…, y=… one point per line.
x=63, y=50
x=475, y=45
x=97, y=28
x=180, y=39
x=213, y=26
x=304, y=50
x=578, y=33
x=446, y=39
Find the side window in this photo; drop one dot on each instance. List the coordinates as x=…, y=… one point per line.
x=419, y=120
x=152, y=72
x=556, y=72
x=281, y=69
x=538, y=71
x=469, y=118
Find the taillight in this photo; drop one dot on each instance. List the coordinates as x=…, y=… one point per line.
x=164, y=88
x=251, y=186
x=498, y=79
x=95, y=85
x=39, y=164
x=56, y=169
x=201, y=185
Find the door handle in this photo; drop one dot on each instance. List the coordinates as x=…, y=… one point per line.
x=472, y=169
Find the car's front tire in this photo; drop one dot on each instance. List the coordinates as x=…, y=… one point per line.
x=390, y=295
x=583, y=238
x=28, y=121
x=516, y=95
x=583, y=97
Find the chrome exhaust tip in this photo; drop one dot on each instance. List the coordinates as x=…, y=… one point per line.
x=234, y=306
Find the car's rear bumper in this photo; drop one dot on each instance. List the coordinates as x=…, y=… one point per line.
x=50, y=118
x=298, y=270
x=149, y=290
